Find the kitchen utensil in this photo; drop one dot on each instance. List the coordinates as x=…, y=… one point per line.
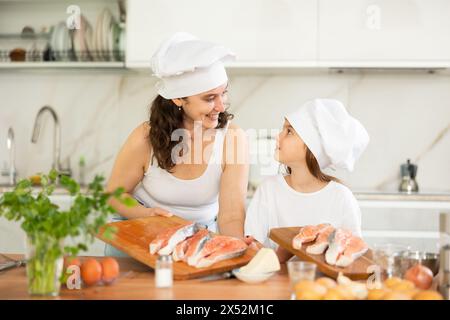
x=427, y=259
x=358, y=270
x=134, y=236
x=408, y=172
x=218, y=276
x=390, y=258
x=11, y=263
x=252, y=278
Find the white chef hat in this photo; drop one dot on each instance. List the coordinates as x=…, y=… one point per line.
x=335, y=138
x=187, y=66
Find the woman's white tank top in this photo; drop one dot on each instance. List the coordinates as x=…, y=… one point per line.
x=196, y=199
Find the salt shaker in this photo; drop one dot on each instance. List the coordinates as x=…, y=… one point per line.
x=163, y=272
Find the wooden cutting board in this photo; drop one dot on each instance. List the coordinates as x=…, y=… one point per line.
x=356, y=271
x=134, y=236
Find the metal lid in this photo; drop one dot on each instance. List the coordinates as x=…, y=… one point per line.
x=165, y=258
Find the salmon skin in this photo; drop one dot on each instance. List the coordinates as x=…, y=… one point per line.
x=218, y=249
x=165, y=241
x=307, y=234
x=190, y=246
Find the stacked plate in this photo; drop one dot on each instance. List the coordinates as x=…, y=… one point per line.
x=82, y=41
x=105, y=43
x=61, y=42
x=109, y=38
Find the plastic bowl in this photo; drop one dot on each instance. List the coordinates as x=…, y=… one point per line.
x=252, y=278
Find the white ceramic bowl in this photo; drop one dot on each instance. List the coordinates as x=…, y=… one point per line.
x=252, y=278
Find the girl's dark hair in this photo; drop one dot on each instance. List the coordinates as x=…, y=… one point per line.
x=166, y=117
x=314, y=168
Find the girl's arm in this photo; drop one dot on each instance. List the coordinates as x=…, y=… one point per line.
x=128, y=171
x=283, y=255
x=233, y=184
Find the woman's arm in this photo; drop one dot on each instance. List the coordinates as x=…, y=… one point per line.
x=233, y=184
x=128, y=171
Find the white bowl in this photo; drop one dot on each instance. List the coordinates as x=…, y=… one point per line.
x=252, y=278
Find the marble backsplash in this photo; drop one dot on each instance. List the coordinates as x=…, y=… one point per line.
x=407, y=114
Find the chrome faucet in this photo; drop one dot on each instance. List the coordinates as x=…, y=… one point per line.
x=56, y=138
x=12, y=172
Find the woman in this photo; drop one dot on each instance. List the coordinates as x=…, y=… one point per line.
x=203, y=176
x=318, y=136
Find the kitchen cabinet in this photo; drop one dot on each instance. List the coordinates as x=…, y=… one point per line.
x=258, y=31
x=392, y=33
x=47, y=43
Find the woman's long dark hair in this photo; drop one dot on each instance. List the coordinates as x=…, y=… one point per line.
x=314, y=168
x=165, y=118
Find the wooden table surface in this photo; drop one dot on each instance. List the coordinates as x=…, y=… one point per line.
x=136, y=281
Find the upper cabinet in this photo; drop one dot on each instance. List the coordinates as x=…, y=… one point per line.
x=258, y=31
x=394, y=33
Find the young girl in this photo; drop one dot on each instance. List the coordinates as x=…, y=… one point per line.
x=320, y=135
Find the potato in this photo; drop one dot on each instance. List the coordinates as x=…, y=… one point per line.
x=428, y=295
x=309, y=290
x=377, y=294
x=326, y=282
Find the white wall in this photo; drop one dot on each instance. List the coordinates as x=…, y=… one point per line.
x=405, y=113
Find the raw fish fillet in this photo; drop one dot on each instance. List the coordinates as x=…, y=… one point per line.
x=338, y=242
x=165, y=242
x=355, y=248
x=190, y=246
x=231, y=248
x=307, y=234
x=322, y=241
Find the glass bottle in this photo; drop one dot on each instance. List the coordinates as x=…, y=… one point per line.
x=164, y=272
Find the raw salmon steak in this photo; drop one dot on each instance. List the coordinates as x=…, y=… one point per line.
x=307, y=234
x=355, y=248
x=322, y=241
x=165, y=241
x=337, y=244
x=190, y=246
x=228, y=248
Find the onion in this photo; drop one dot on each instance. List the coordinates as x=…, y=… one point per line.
x=420, y=275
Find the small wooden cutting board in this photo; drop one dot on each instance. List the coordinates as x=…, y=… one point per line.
x=356, y=271
x=134, y=236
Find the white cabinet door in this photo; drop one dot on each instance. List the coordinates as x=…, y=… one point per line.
x=256, y=30
x=384, y=30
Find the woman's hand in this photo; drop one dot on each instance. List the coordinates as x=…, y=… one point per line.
x=253, y=243
x=159, y=212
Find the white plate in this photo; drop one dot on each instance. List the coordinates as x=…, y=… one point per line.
x=106, y=34
x=58, y=44
x=88, y=41
x=252, y=278
x=96, y=38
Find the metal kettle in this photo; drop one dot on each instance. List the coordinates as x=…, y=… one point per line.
x=408, y=172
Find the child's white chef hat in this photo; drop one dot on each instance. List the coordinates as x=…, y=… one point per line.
x=335, y=138
x=188, y=66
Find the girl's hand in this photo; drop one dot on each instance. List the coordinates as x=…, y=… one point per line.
x=159, y=212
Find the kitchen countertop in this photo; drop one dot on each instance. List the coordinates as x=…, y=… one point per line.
x=136, y=281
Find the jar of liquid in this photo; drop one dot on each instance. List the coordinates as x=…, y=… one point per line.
x=163, y=272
